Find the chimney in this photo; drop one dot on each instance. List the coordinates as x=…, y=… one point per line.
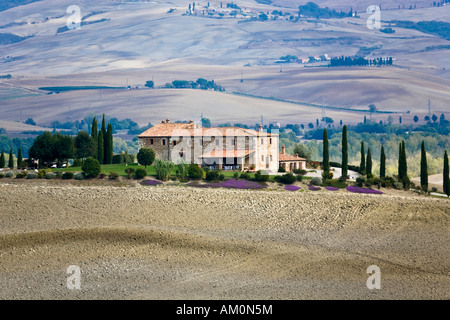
x=167, y=121
x=283, y=150
x=163, y=121
x=191, y=122
x=260, y=128
x=296, y=155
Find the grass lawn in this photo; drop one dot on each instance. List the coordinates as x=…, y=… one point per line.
x=120, y=169
x=107, y=168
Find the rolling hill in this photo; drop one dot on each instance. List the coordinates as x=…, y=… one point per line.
x=127, y=43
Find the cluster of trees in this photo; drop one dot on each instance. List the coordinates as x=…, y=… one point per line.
x=48, y=147
x=199, y=84
x=19, y=161
x=366, y=163
x=359, y=61
x=314, y=11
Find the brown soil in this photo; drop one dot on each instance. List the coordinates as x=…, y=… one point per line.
x=168, y=242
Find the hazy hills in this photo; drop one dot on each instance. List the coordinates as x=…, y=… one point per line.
x=129, y=43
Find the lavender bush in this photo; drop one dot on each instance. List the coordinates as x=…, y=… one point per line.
x=230, y=184
x=291, y=188
x=314, y=188
x=151, y=182
x=329, y=188
x=363, y=190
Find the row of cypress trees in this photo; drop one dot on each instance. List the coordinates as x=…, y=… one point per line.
x=11, y=159
x=103, y=140
x=366, y=163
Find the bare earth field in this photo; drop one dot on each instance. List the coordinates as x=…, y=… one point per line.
x=172, y=242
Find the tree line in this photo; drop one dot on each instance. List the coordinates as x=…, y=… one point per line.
x=359, y=61
x=366, y=165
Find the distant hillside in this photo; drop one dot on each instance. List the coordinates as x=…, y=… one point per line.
x=7, y=38
x=8, y=4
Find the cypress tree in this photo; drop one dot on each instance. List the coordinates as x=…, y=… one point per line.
x=94, y=135
x=326, y=156
x=2, y=160
x=11, y=159
x=104, y=139
x=423, y=168
x=369, y=163
x=100, y=152
x=405, y=164
x=344, y=153
x=446, y=175
x=19, y=158
x=382, y=163
x=108, y=145
x=362, y=165
x=400, y=162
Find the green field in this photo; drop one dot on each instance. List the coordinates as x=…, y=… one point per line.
x=120, y=169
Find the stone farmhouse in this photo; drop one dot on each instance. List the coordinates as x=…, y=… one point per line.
x=223, y=148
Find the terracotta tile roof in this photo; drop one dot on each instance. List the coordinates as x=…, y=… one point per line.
x=189, y=129
x=240, y=153
x=289, y=157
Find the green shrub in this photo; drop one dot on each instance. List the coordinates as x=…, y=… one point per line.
x=212, y=175
x=102, y=175
x=434, y=189
x=164, y=169
x=377, y=182
x=299, y=172
x=182, y=171
x=79, y=176
x=21, y=175
x=261, y=176
x=130, y=172
x=327, y=175
x=113, y=176
x=334, y=183
x=42, y=172
x=50, y=175
x=388, y=182
x=299, y=178
x=360, y=181
x=195, y=172
x=316, y=181
x=398, y=185
x=77, y=163
x=281, y=169
x=2, y=175
x=91, y=168
x=140, y=173
x=369, y=183
x=9, y=174
x=287, y=178
x=67, y=175
x=244, y=176
x=221, y=177
x=236, y=175
x=32, y=175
